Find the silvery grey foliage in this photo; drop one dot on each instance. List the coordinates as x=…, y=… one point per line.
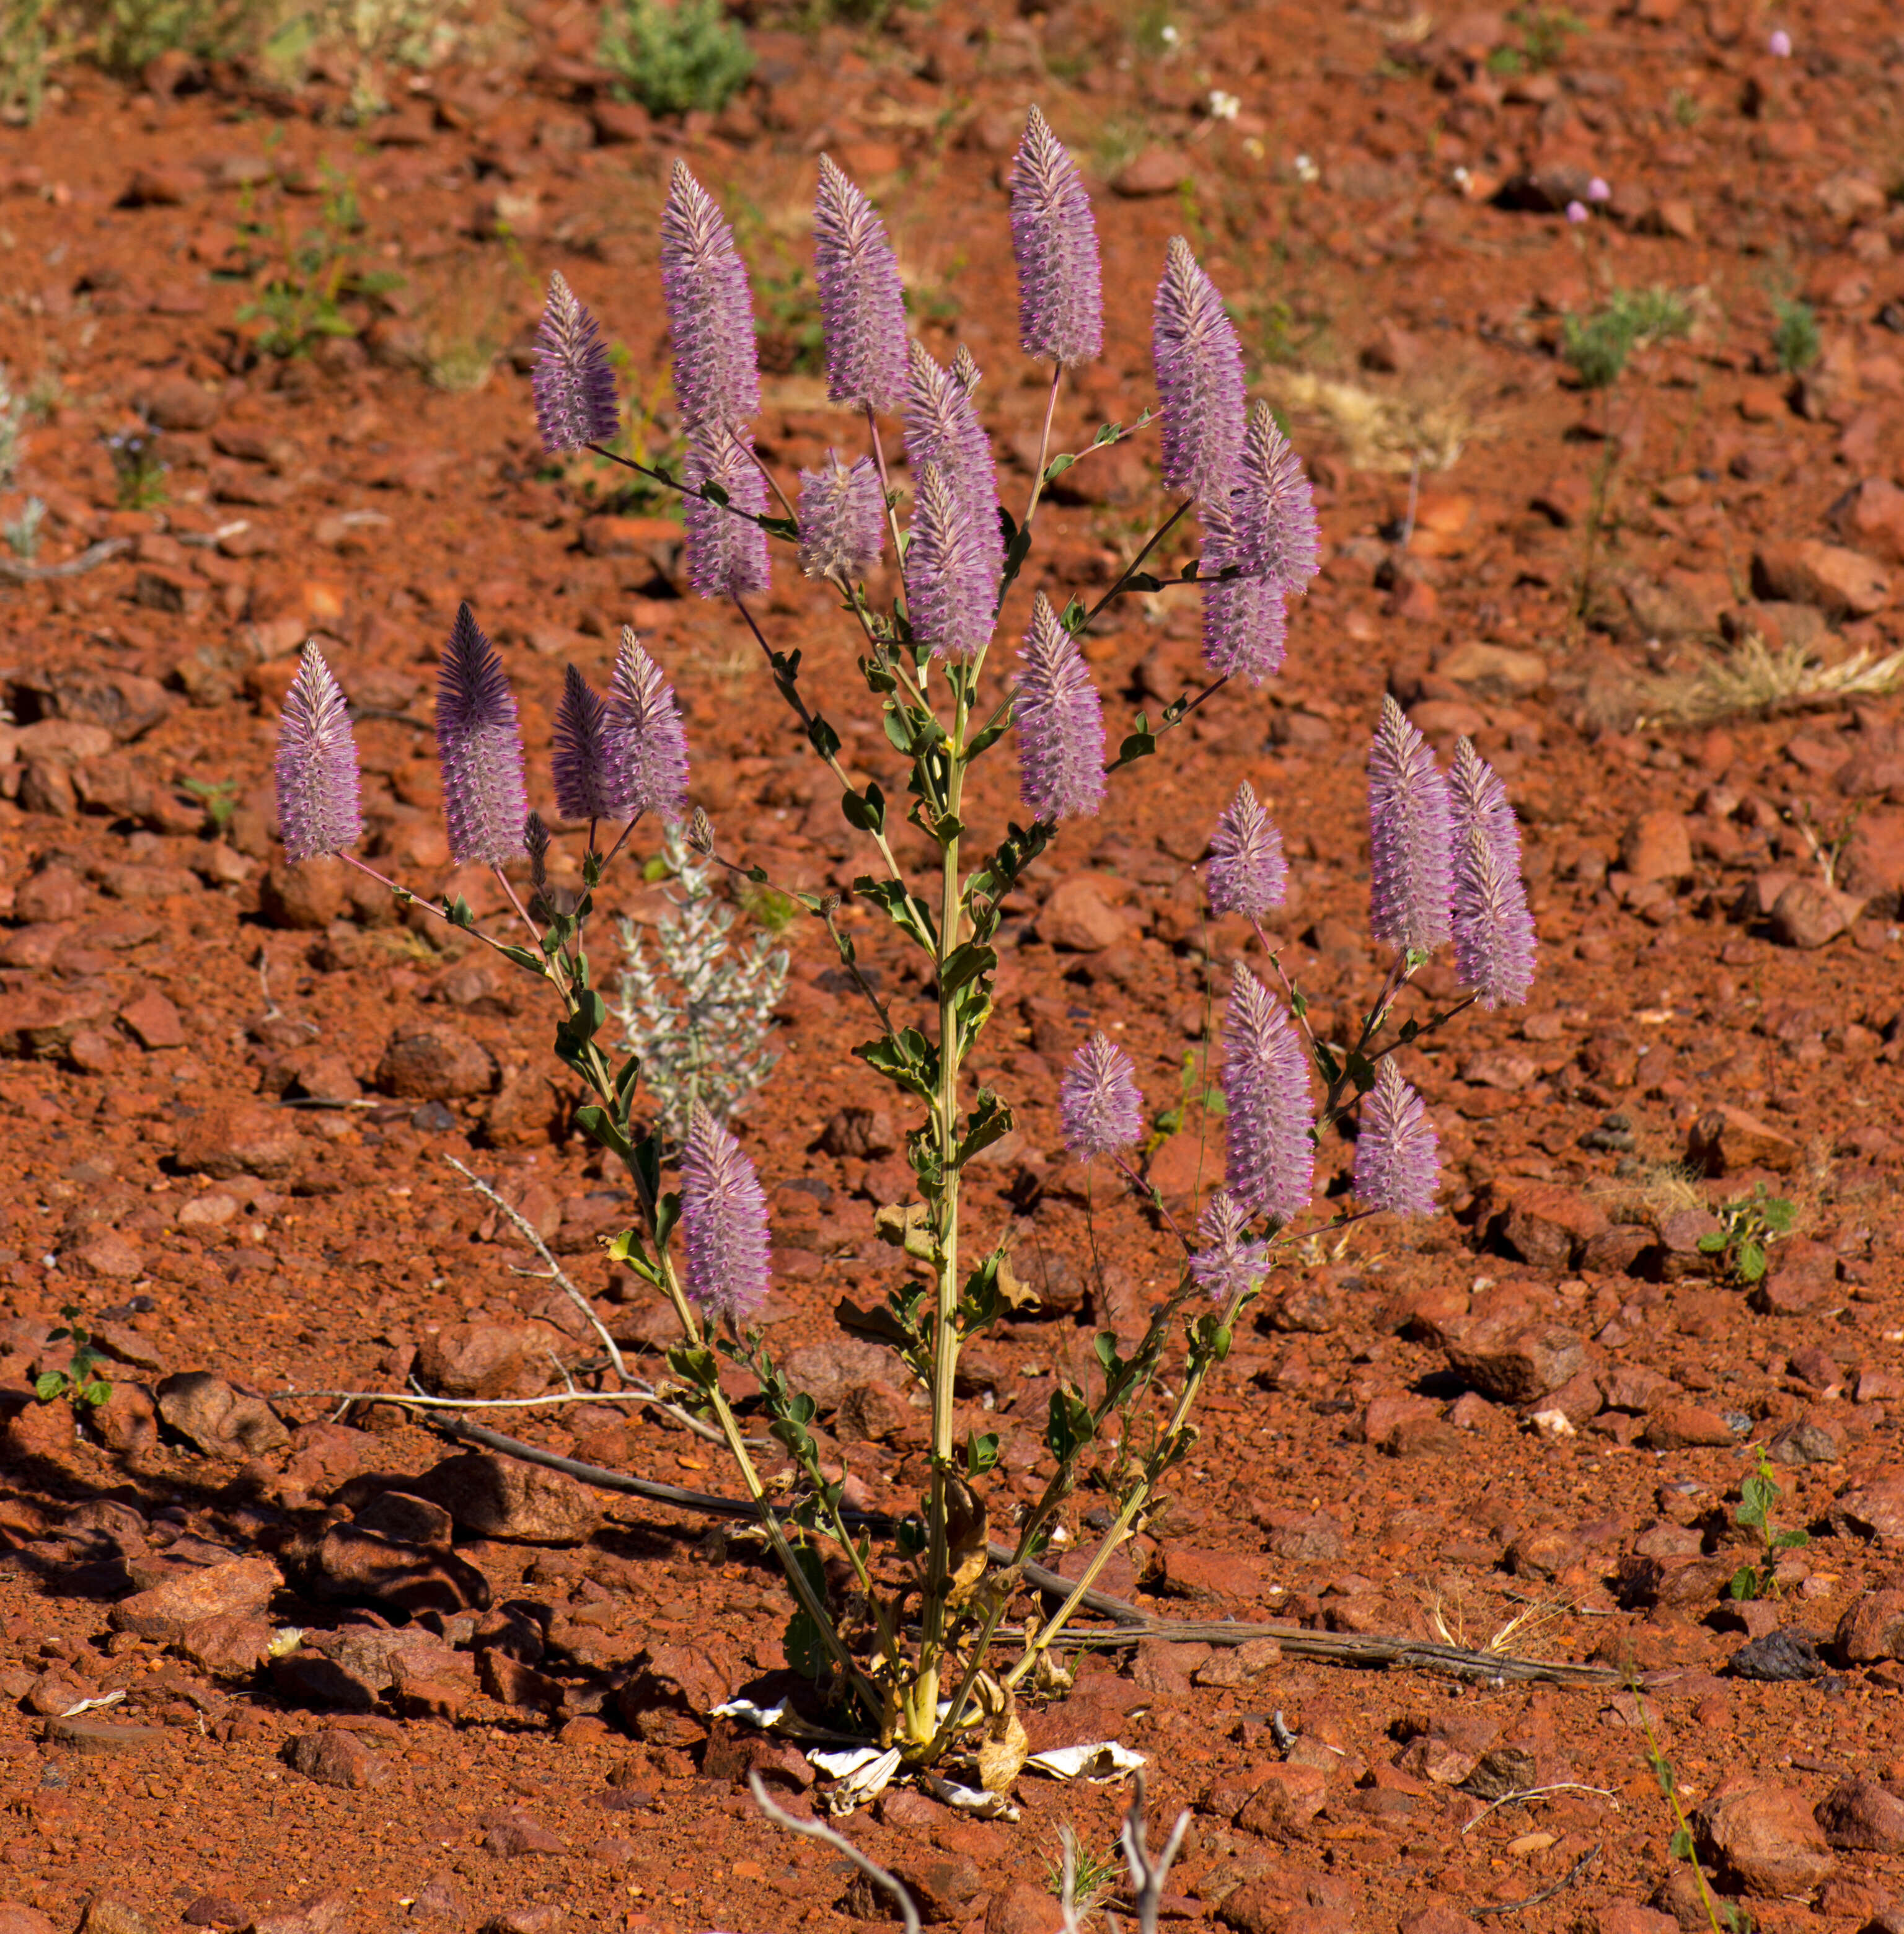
x=696, y=1007
x=13, y=420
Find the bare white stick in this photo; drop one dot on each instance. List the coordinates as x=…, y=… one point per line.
x=817, y=1830
x=1147, y=1877
x=556, y=1273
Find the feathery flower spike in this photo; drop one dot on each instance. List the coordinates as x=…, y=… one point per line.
x=535, y=844
x=1061, y=723
x=842, y=519
x=723, y=1222
x=1494, y=940
x=318, y=809
x=1397, y=1154
x=1269, y=1160
x=645, y=730
x=1228, y=1264
x=590, y=783
x=710, y=309
x=1199, y=378
x=950, y=586
x=1055, y=238
x=1411, y=837
x=1247, y=875
x=480, y=747
x=727, y=555
x=1245, y=619
x=861, y=311
x=574, y=387
x=1276, y=534
x=966, y=372
x=1099, y=1105
x=942, y=428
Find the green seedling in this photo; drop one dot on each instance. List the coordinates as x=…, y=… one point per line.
x=1748, y=1226
x=219, y=797
x=1795, y=339
x=1756, y=1496
x=674, y=59
x=1597, y=347
x=80, y=1381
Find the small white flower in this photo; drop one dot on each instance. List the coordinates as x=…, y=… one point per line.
x=1168, y=34
x=1306, y=170
x=1460, y=178
x=1223, y=106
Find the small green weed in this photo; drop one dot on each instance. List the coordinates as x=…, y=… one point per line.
x=1721, y=1915
x=1597, y=346
x=13, y=418
x=1684, y=109
x=1756, y=1496
x=137, y=469
x=1543, y=32
x=1795, y=340
x=22, y=533
x=25, y=49
x=1092, y=1876
x=1749, y=1225
x=1194, y=1090
x=673, y=59
x=80, y=1381
x=133, y=32
x=302, y=281
x=219, y=797
x=768, y=907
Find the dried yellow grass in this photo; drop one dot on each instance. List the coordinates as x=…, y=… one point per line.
x=1428, y=416
x=1754, y=678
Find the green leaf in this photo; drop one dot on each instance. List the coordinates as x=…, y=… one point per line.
x=1107, y=433
x=1752, y=1262
x=990, y=1121
x=1712, y=1243
x=1068, y=1427
x=1790, y=1540
x=1142, y=580
x=907, y=911
x=823, y=738
x=1057, y=467
x=693, y=1366
x=714, y=492
x=1137, y=745
x=1779, y=1214
x=97, y=1392
x=529, y=962
x=966, y=963
x=906, y=1059
x=48, y=1384
x=457, y=913
x=868, y=814
x=1745, y=1582
x=597, y=1124
x=805, y=1647
x=981, y=1453
x=1680, y=1845
x=1361, y=1071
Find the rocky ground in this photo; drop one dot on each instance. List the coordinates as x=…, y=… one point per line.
x=268, y=1665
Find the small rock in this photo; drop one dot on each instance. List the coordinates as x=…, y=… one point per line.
x=1301, y=1537
x=335, y=1758
x=1808, y=914
x=1437, y=1916
x=1763, y=1837
x=238, y=1586
x=490, y=1496
x=412, y=1520
x=1021, y=1907
x=215, y=1910
x=89, y=1736
x=153, y=1021
x=439, y=1897
x=1656, y=846
x=435, y=1064
x=1872, y=1628
x=826, y=1371
x=1841, y=583
x=353, y=1564
x=319, y=1914
x=1549, y=1226
x=668, y=1695
x=1081, y=916
x=479, y=1359
x=1869, y=1510
x=1288, y=1798
x=218, y=1420
x=243, y=1138
x=1156, y=170
x=1800, y=1274
x=228, y=1645
x=1628, y=1917
x=1778, y=1656
x=1725, y=1139
x=1683, y=1426
x=17, y=1918
x=1860, y=1816
x=1511, y=1360
x=537, y=1918
x=110, y=1913
x=941, y=1885
x=1806, y=1441
x=514, y=1833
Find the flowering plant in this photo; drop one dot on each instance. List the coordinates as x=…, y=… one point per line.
x=1445, y=866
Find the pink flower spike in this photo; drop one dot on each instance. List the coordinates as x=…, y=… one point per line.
x=318, y=804
x=1061, y=723
x=1228, y=1264
x=1779, y=45
x=842, y=519
x=1397, y=1153
x=1576, y=212
x=1054, y=237
x=1247, y=874
x=574, y=386
x=862, y=308
x=727, y=555
x=724, y=1222
x=1411, y=838
x=1597, y=191
x=710, y=309
x=648, y=741
x=480, y=747
x=588, y=782
x=1199, y=363
x=1269, y=1157
x=1099, y=1105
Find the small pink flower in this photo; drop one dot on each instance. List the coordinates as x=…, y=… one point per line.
x=1576, y=211
x=1597, y=191
x=1779, y=45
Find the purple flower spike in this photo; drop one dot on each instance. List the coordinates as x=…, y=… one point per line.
x=723, y=1221
x=480, y=747
x=648, y=741
x=318, y=810
x=1576, y=212
x=842, y=519
x=950, y=584
x=575, y=402
x=1779, y=46
x=1397, y=1154
x=1247, y=875
x=1597, y=190
x=862, y=308
x=1199, y=378
x=588, y=782
x=1228, y=1265
x=1061, y=723
x=942, y=428
x=1054, y=237
x=710, y=310
x=1270, y=1158
x=1098, y=1104
x=966, y=372
x=1493, y=930
x=727, y=555
x=1245, y=619
x=1276, y=535
x=1411, y=838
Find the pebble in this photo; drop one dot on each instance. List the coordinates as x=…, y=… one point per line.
x=237, y=1588
x=491, y=1496
x=515, y=1833
x=1860, y=1816
x=1762, y=1836
x=481, y=1360
x=333, y=1757
x=220, y=1421
x=1781, y=1655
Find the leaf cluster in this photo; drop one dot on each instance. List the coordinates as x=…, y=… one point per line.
x=1597, y=346
x=79, y=1382
x=674, y=60
x=1749, y=1225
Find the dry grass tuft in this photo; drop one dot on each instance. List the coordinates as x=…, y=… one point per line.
x=1754, y=678
x=1662, y=1189
x=1430, y=415
x=1511, y=1641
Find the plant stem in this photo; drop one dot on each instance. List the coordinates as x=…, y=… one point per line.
x=1044, y=445
x=885, y=487
x=1130, y=571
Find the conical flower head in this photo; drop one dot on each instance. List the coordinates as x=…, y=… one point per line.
x=710, y=310
x=727, y=555
x=480, y=747
x=1054, y=237
x=1269, y=1160
x=647, y=733
x=1411, y=839
x=1494, y=942
x=1247, y=874
x=862, y=306
x=723, y=1222
x=1274, y=513
x=1098, y=1104
x=1228, y=1264
x=966, y=372
x=1397, y=1154
x=1199, y=378
x=1246, y=623
x=942, y=428
x=950, y=586
x=317, y=771
x=574, y=387
x=842, y=519
x=589, y=783
x=1061, y=722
